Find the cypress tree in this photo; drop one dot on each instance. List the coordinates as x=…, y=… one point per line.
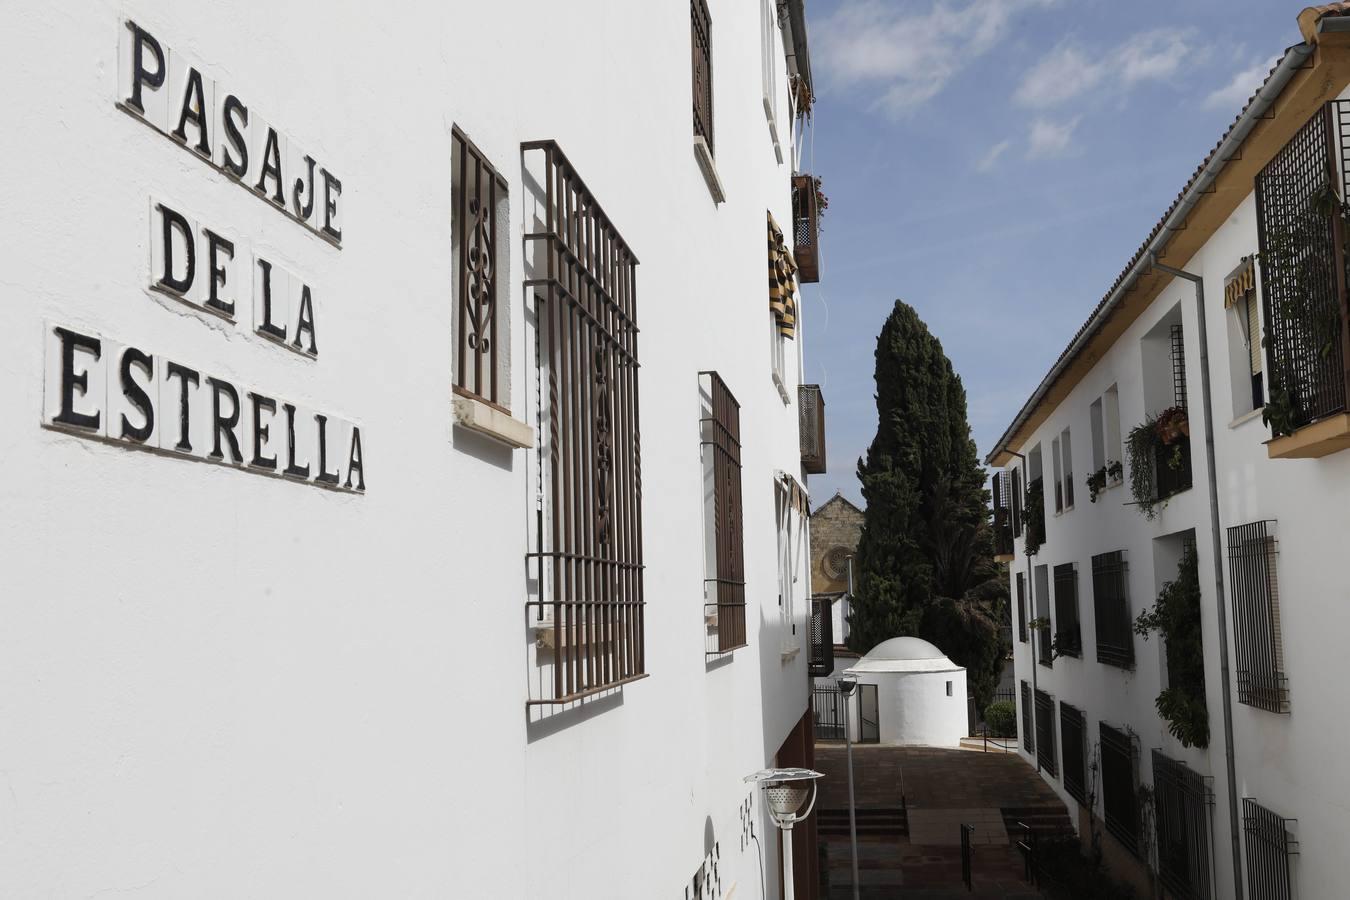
x=925, y=557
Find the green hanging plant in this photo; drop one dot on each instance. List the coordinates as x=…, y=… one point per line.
x=1176, y=616
x=1141, y=449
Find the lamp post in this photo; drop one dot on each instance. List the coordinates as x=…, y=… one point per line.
x=847, y=683
x=790, y=794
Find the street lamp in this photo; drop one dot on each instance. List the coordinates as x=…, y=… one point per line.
x=790, y=794
x=847, y=683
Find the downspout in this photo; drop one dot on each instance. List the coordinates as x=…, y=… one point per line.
x=1031, y=614
x=1225, y=678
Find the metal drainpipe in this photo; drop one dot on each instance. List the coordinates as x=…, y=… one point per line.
x=1031, y=613
x=1219, y=594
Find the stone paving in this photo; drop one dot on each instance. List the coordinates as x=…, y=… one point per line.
x=941, y=789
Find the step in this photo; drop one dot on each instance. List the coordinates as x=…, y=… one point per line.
x=877, y=822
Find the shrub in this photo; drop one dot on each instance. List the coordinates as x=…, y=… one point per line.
x=1001, y=717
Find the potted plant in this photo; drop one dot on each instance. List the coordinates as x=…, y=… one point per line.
x=1172, y=424
x=1096, y=483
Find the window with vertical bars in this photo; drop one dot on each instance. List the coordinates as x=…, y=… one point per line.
x=1120, y=785
x=1257, y=638
x=477, y=227
x=588, y=540
x=1017, y=502
x=1073, y=751
x=1045, y=732
x=724, y=586
x=1028, y=732
x=1068, y=630
x=1270, y=844
x=1111, y=610
x=1003, y=536
x=1182, y=799
x=1066, y=450
x=1021, y=608
x=1178, y=355
x=701, y=42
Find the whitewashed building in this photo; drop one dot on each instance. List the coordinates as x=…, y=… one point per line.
x=1193, y=342
x=406, y=486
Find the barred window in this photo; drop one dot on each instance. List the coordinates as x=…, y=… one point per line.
x=1182, y=799
x=1068, y=630
x=1045, y=732
x=1003, y=536
x=588, y=538
x=1259, y=645
x=1270, y=842
x=701, y=42
x=1120, y=785
x=1073, y=751
x=724, y=554
x=478, y=229
x=1111, y=608
x=1028, y=732
x=1017, y=502
x=1021, y=608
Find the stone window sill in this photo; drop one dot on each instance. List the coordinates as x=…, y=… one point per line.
x=1247, y=417
x=1313, y=441
x=703, y=153
x=487, y=420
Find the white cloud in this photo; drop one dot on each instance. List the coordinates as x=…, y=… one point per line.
x=1234, y=94
x=987, y=161
x=1070, y=71
x=910, y=55
x=1048, y=139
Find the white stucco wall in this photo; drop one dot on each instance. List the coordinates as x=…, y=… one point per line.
x=216, y=684
x=914, y=708
x=1282, y=761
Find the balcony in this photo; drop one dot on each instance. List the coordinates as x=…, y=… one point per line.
x=806, y=227
x=811, y=427
x=1003, y=529
x=1302, y=226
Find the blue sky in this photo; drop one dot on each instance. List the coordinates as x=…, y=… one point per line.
x=995, y=164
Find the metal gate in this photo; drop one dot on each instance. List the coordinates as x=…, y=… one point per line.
x=827, y=709
x=869, y=718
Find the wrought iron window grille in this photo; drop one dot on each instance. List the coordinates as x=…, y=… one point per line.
x=1003, y=533
x=1028, y=732
x=1300, y=224
x=1068, y=628
x=587, y=555
x=811, y=428
x=1021, y=608
x=1073, y=751
x=821, y=662
x=1182, y=800
x=1258, y=641
x=701, y=67
x=478, y=229
x=1120, y=785
x=1045, y=733
x=724, y=588
x=1111, y=608
x=1271, y=842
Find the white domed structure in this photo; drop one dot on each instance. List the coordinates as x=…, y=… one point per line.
x=920, y=693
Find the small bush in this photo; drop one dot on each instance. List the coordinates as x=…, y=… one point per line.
x=1001, y=717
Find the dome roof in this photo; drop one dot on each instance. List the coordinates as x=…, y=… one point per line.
x=904, y=654
x=905, y=648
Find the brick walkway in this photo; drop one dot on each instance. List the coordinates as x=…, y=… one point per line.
x=939, y=790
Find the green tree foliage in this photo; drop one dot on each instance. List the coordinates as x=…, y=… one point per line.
x=925, y=557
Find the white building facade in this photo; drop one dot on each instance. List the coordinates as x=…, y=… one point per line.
x=412, y=501
x=1255, y=811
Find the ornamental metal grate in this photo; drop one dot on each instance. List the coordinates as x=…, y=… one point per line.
x=822, y=637
x=1073, y=751
x=701, y=65
x=1182, y=799
x=588, y=544
x=1068, y=629
x=1045, y=733
x=1120, y=785
x=476, y=228
x=1178, y=354
x=724, y=588
x=1003, y=536
x=1021, y=608
x=811, y=428
x=1111, y=608
x=1270, y=844
x=1303, y=268
x=1258, y=643
x=1028, y=732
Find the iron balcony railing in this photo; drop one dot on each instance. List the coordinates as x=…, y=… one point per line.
x=811, y=427
x=1301, y=222
x=1172, y=468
